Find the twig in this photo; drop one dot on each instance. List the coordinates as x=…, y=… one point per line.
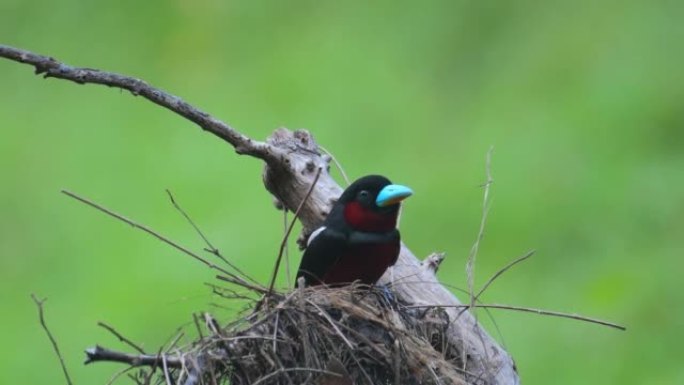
x=529, y=310
x=210, y=248
x=99, y=353
x=51, y=67
x=275, y=332
x=197, y=325
x=434, y=375
x=235, y=279
x=332, y=323
x=166, y=370
x=286, y=251
x=495, y=276
x=503, y=270
x=227, y=292
x=472, y=256
x=172, y=344
x=39, y=303
x=285, y=370
x=190, y=221
x=153, y=369
x=238, y=281
x=121, y=337
x=212, y=325
x=119, y=374
x=195, y=372
x=289, y=230
x=337, y=164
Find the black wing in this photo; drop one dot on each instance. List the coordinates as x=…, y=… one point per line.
x=322, y=253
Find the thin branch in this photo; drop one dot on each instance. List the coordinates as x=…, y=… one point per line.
x=227, y=292
x=289, y=230
x=52, y=68
x=119, y=374
x=325, y=315
x=153, y=369
x=234, y=278
x=472, y=256
x=495, y=276
x=165, y=366
x=197, y=326
x=190, y=221
x=503, y=270
x=121, y=337
x=240, y=282
x=99, y=353
x=172, y=344
x=287, y=252
x=337, y=164
x=210, y=248
x=286, y=370
x=41, y=317
x=528, y=310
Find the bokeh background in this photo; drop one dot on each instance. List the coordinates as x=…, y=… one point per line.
x=583, y=102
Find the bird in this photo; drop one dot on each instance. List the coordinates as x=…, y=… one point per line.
x=359, y=239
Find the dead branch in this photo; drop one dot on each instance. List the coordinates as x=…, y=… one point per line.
x=41, y=317
x=121, y=337
x=470, y=264
x=529, y=310
x=52, y=68
x=210, y=247
x=99, y=353
x=501, y=271
x=233, y=278
x=289, y=230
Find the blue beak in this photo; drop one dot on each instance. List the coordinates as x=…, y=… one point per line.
x=392, y=194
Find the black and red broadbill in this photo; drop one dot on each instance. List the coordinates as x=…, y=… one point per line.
x=359, y=239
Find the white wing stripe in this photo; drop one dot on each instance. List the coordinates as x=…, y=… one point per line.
x=314, y=235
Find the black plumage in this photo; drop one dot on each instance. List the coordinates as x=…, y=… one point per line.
x=359, y=239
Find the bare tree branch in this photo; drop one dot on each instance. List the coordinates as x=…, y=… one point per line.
x=289, y=230
x=210, y=247
x=501, y=271
x=529, y=310
x=52, y=68
x=470, y=264
x=235, y=279
x=99, y=353
x=41, y=316
x=121, y=337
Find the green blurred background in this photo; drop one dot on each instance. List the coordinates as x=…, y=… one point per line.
x=583, y=101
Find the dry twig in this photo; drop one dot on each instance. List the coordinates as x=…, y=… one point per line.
x=99, y=353
x=470, y=264
x=289, y=230
x=41, y=316
x=210, y=247
x=121, y=337
x=528, y=310
x=234, y=278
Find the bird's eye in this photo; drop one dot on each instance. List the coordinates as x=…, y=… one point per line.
x=363, y=195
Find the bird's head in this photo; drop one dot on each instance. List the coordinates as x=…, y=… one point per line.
x=372, y=202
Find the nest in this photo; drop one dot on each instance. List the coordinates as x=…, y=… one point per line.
x=325, y=336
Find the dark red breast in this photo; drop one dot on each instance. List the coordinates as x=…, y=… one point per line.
x=365, y=262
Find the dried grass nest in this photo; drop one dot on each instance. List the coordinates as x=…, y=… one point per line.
x=320, y=335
